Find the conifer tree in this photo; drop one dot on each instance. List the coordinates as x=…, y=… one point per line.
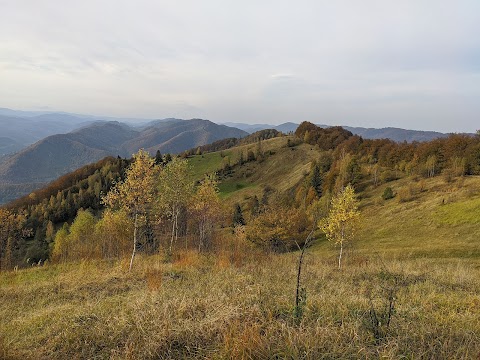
x=316, y=180
x=238, y=216
x=158, y=158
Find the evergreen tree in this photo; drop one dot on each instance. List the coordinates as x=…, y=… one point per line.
x=238, y=216
x=158, y=158
x=167, y=158
x=316, y=180
x=255, y=206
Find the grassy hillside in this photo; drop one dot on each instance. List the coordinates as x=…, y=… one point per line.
x=442, y=220
x=232, y=306
x=282, y=168
x=416, y=257
x=437, y=219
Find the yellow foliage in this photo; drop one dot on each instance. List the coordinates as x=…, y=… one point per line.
x=340, y=225
x=279, y=229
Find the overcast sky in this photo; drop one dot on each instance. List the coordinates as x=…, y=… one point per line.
x=404, y=63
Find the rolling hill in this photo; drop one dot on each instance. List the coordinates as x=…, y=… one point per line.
x=59, y=154
x=24, y=131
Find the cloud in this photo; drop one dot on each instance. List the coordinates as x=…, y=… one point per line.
x=369, y=63
x=282, y=76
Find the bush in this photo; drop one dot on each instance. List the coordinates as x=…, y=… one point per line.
x=405, y=194
x=388, y=193
x=279, y=229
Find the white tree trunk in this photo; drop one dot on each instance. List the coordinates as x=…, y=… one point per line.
x=134, y=241
x=340, y=256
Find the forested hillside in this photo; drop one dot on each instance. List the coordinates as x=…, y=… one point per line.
x=59, y=154
x=263, y=173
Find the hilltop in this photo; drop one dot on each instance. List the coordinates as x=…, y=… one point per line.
x=392, y=133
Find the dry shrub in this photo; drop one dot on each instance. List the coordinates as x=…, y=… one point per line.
x=405, y=193
x=154, y=279
x=244, y=340
x=187, y=258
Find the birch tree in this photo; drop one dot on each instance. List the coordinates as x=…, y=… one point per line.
x=136, y=193
x=341, y=222
x=206, y=209
x=175, y=189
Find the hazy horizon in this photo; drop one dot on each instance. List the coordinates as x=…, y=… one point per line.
x=412, y=65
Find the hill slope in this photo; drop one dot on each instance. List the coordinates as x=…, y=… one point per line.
x=62, y=153
x=59, y=154
x=26, y=131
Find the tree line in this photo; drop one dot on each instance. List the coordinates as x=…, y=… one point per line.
x=153, y=204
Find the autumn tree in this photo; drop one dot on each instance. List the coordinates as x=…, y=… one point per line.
x=206, y=209
x=340, y=224
x=113, y=233
x=10, y=233
x=279, y=228
x=174, y=190
x=61, y=245
x=136, y=193
x=81, y=235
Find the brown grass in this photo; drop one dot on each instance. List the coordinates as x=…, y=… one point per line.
x=204, y=310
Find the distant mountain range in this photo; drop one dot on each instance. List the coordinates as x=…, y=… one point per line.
x=395, y=134
x=59, y=154
x=37, y=147
x=17, y=133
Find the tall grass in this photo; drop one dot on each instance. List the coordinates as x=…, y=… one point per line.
x=221, y=306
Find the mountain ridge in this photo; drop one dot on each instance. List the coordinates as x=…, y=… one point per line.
x=58, y=154
x=392, y=133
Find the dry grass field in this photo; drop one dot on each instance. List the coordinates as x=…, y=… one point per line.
x=239, y=305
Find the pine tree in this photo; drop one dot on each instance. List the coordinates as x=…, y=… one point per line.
x=238, y=216
x=158, y=158
x=316, y=181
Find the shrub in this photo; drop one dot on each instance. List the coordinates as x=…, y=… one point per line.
x=279, y=229
x=405, y=194
x=388, y=193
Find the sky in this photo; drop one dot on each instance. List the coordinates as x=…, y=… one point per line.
x=373, y=63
